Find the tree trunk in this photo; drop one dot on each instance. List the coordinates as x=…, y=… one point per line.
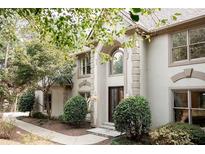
x=6, y=56
x=15, y=103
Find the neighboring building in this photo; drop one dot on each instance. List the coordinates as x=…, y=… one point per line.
x=169, y=71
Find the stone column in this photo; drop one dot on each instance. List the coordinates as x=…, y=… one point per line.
x=135, y=58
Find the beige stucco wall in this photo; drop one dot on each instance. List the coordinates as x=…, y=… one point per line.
x=159, y=79
x=59, y=98
x=38, y=99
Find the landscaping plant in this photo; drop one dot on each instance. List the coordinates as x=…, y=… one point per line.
x=178, y=134
x=133, y=117
x=26, y=101
x=6, y=130
x=75, y=110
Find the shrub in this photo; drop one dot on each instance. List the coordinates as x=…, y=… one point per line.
x=26, y=101
x=133, y=117
x=39, y=115
x=197, y=135
x=75, y=110
x=6, y=130
x=167, y=135
x=178, y=133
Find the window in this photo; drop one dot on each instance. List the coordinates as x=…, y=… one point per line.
x=85, y=65
x=189, y=106
x=188, y=45
x=86, y=95
x=116, y=65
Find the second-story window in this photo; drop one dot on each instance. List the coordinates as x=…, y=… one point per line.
x=85, y=66
x=116, y=65
x=188, y=45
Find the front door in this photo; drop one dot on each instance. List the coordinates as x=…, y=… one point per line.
x=116, y=94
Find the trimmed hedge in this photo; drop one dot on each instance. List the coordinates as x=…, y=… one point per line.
x=178, y=133
x=26, y=101
x=133, y=117
x=75, y=110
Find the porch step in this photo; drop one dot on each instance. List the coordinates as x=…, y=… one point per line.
x=104, y=132
x=108, y=125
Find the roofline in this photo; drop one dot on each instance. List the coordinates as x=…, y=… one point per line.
x=85, y=50
x=176, y=24
x=165, y=28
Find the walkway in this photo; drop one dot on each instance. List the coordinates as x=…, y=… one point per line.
x=52, y=135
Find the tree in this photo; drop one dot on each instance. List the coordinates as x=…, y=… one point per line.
x=56, y=30
x=43, y=65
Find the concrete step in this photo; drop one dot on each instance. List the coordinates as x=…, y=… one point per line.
x=104, y=132
x=109, y=123
x=107, y=127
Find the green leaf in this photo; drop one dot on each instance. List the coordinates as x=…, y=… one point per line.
x=134, y=17
x=177, y=14
x=135, y=10
x=174, y=18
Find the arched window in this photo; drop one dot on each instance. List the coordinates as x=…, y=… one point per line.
x=116, y=65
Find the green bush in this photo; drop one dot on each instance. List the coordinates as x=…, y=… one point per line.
x=6, y=130
x=75, y=110
x=132, y=116
x=178, y=133
x=26, y=101
x=39, y=115
x=197, y=135
x=166, y=135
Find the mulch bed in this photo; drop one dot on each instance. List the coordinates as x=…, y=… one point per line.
x=58, y=126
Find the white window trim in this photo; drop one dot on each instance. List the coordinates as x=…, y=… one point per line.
x=80, y=69
x=111, y=62
x=187, y=61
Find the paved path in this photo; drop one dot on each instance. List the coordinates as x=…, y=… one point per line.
x=55, y=136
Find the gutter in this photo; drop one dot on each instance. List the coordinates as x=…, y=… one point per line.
x=159, y=30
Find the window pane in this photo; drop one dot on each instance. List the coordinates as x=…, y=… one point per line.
x=198, y=117
x=88, y=65
x=83, y=70
x=88, y=69
x=179, y=39
x=181, y=115
x=197, y=35
x=117, y=63
x=180, y=99
x=179, y=54
x=197, y=50
x=198, y=99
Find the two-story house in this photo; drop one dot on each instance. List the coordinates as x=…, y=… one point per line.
x=169, y=70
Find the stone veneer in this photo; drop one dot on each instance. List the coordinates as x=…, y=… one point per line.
x=135, y=58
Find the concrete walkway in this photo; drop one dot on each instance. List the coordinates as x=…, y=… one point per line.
x=55, y=136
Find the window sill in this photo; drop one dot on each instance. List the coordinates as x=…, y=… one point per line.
x=84, y=76
x=186, y=62
x=115, y=75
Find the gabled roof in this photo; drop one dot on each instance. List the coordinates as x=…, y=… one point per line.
x=148, y=22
